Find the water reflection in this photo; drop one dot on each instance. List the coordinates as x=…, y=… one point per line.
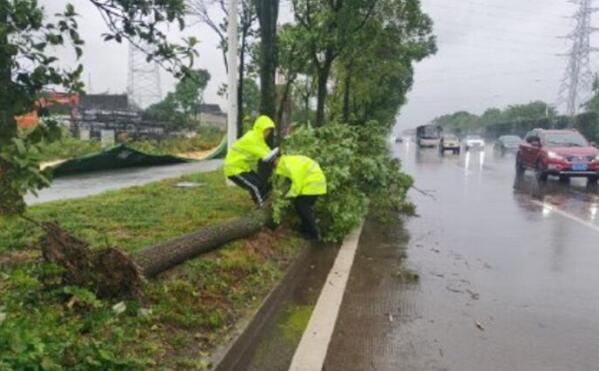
x=428, y=156
x=474, y=161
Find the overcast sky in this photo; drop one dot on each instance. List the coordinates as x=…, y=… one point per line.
x=491, y=53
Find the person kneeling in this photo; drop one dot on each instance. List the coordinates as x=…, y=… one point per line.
x=307, y=183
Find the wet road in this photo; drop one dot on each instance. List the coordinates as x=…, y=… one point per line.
x=497, y=273
x=93, y=183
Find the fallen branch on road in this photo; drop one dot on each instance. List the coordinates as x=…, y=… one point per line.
x=424, y=193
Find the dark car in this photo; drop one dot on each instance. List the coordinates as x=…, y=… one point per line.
x=563, y=153
x=507, y=144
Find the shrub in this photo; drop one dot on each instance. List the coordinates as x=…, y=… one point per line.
x=359, y=170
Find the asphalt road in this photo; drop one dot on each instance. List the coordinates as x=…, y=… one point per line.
x=78, y=186
x=497, y=273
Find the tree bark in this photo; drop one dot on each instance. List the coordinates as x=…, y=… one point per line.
x=157, y=259
x=111, y=273
x=11, y=202
x=268, y=12
x=8, y=128
x=324, y=72
x=284, y=103
x=347, y=93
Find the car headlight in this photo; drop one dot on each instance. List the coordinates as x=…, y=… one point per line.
x=554, y=156
x=597, y=158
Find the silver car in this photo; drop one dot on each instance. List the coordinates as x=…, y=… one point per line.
x=474, y=142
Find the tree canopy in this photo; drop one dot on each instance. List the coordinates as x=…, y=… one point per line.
x=465, y=122
x=28, y=67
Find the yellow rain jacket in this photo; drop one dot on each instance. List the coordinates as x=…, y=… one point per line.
x=307, y=178
x=244, y=155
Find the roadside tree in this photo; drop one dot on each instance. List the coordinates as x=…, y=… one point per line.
x=28, y=67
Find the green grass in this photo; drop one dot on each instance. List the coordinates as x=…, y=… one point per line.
x=136, y=217
x=183, y=315
x=206, y=139
x=68, y=147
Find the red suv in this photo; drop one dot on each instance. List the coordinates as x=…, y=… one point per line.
x=564, y=153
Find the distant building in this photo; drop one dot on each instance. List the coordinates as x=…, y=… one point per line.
x=100, y=113
x=212, y=115
x=104, y=102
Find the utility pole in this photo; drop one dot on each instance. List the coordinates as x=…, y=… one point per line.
x=233, y=83
x=578, y=78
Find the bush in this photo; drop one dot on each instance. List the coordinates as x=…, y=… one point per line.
x=359, y=170
x=206, y=138
x=68, y=147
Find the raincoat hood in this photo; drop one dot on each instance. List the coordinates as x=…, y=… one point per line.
x=262, y=124
x=245, y=153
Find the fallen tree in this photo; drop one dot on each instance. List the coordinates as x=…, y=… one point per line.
x=159, y=258
x=111, y=273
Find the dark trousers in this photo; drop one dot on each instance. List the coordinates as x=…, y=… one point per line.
x=304, y=205
x=254, y=184
x=257, y=184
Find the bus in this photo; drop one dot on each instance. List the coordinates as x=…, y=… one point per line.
x=428, y=136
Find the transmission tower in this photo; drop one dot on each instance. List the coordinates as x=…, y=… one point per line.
x=144, y=87
x=578, y=79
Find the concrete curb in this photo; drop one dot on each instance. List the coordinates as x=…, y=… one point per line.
x=311, y=353
x=229, y=356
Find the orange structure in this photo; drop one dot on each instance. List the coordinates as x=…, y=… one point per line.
x=31, y=119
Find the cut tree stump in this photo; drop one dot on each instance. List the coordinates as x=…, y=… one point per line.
x=112, y=273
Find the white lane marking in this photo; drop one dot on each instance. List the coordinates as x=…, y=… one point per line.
x=312, y=350
x=566, y=215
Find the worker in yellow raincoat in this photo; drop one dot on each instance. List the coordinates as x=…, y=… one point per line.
x=308, y=181
x=250, y=154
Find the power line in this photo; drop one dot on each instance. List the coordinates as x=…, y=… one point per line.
x=578, y=77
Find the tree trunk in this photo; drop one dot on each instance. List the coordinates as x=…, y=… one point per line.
x=268, y=12
x=159, y=258
x=284, y=104
x=11, y=202
x=346, y=93
x=110, y=273
x=321, y=96
x=323, y=79
x=8, y=127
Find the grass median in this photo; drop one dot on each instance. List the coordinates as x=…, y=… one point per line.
x=184, y=314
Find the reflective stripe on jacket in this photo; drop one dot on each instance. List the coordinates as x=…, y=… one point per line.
x=307, y=178
x=244, y=155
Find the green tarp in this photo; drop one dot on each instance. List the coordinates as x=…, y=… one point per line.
x=117, y=157
x=123, y=156
x=219, y=152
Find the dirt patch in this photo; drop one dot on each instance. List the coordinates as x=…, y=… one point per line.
x=110, y=273
x=196, y=155
x=17, y=258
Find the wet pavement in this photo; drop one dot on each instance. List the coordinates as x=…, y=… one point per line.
x=496, y=273
x=97, y=182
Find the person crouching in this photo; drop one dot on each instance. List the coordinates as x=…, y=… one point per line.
x=248, y=163
x=308, y=182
